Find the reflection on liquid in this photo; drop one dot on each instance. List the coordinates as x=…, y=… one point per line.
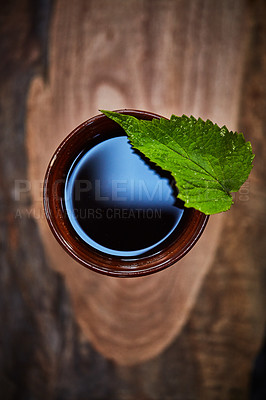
x=119, y=203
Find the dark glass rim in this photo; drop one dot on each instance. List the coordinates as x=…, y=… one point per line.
x=93, y=129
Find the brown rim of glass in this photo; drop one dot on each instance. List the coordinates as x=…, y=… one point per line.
x=193, y=225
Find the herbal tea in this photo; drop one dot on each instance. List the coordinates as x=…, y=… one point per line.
x=119, y=203
x=111, y=208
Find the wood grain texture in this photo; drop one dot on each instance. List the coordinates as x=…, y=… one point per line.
x=102, y=62
x=203, y=58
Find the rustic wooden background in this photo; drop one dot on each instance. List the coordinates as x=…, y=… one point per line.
x=193, y=331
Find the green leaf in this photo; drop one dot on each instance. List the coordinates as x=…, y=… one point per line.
x=207, y=162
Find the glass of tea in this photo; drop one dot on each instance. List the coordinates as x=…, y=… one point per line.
x=113, y=210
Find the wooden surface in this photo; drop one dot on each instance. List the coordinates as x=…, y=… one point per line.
x=102, y=62
x=192, y=331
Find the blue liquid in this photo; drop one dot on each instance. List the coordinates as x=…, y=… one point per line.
x=119, y=203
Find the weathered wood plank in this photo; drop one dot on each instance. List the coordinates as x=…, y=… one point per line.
x=166, y=58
